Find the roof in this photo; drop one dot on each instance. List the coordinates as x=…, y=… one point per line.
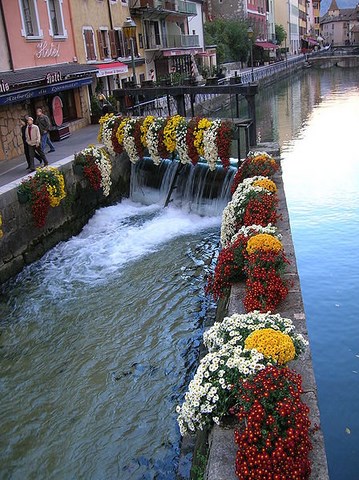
x=345, y=15
x=37, y=74
x=333, y=6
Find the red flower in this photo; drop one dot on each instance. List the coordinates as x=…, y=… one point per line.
x=223, y=142
x=93, y=174
x=273, y=441
x=115, y=145
x=250, y=168
x=192, y=150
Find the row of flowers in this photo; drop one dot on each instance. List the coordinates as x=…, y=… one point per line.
x=245, y=372
x=168, y=137
x=96, y=166
x=43, y=190
x=251, y=246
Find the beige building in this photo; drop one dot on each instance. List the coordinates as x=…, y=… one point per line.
x=99, y=40
x=340, y=26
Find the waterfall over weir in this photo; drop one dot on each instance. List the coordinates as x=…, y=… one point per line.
x=197, y=189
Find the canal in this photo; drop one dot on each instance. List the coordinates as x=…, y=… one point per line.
x=315, y=118
x=99, y=338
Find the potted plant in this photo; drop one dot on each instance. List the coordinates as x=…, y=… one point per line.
x=96, y=110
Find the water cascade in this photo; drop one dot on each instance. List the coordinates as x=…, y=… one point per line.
x=197, y=189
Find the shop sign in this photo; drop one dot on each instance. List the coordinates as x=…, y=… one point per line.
x=57, y=112
x=4, y=86
x=44, y=50
x=38, y=92
x=53, y=77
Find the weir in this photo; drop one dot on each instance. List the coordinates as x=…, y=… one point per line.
x=191, y=188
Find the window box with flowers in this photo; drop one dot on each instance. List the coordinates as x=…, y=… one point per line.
x=94, y=163
x=43, y=190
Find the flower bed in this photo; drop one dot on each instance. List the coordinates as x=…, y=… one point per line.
x=273, y=442
x=234, y=356
x=96, y=167
x=44, y=190
x=256, y=163
x=168, y=138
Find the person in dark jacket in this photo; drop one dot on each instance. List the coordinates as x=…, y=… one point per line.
x=23, y=121
x=44, y=124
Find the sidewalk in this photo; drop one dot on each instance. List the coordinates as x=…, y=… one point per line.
x=15, y=168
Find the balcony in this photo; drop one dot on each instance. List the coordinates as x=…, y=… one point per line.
x=187, y=7
x=178, y=6
x=172, y=41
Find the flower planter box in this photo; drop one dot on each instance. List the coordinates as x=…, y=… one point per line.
x=212, y=81
x=147, y=83
x=78, y=169
x=23, y=197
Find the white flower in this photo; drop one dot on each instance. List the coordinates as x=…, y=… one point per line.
x=129, y=141
x=210, y=145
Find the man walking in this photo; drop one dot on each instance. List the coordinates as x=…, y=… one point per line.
x=33, y=139
x=44, y=124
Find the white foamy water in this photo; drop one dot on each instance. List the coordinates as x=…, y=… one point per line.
x=113, y=237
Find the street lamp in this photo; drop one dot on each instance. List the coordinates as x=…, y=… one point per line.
x=129, y=31
x=250, y=36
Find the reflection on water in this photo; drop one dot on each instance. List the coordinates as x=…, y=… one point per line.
x=316, y=119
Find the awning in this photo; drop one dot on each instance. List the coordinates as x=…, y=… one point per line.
x=113, y=68
x=311, y=41
x=266, y=45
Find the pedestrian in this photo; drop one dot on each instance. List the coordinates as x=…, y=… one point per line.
x=33, y=140
x=44, y=124
x=23, y=121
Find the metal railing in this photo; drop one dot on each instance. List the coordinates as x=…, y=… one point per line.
x=172, y=41
x=187, y=7
x=266, y=71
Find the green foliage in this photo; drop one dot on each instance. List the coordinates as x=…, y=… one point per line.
x=199, y=469
x=231, y=39
x=95, y=106
x=280, y=34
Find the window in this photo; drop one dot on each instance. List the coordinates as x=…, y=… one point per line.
x=103, y=43
x=89, y=44
x=117, y=43
x=30, y=19
x=57, y=27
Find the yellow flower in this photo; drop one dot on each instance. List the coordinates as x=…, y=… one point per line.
x=56, y=191
x=267, y=184
x=264, y=158
x=264, y=242
x=144, y=128
x=198, y=133
x=169, y=132
x=121, y=130
x=272, y=344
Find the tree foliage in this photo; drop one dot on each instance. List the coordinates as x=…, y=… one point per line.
x=231, y=39
x=280, y=34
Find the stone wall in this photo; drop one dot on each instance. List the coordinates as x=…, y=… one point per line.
x=222, y=447
x=22, y=243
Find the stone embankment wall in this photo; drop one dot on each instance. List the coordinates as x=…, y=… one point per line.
x=23, y=243
x=222, y=447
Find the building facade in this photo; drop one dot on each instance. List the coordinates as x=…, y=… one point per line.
x=100, y=41
x=171, y=35
x=340, y=26
x=43, y=70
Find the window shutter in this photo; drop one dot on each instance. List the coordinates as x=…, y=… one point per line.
x=112, y=35
x=101, y=46
x=90, y=48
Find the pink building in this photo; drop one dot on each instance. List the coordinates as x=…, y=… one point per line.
x=43, y=71
x=257, y=17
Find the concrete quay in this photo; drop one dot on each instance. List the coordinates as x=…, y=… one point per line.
x=222, y=447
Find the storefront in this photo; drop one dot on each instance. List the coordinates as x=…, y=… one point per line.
x=60, y=90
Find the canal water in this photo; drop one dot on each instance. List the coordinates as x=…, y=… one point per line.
x=98, y=339
x=315, y=118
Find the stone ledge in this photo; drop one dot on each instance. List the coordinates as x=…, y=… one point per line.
x=222, y=450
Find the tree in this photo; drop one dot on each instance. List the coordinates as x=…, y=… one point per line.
x=231, y=39
x=280, y=34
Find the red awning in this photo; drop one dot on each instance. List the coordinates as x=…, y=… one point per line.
x=266, y=45
x=111, y=68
